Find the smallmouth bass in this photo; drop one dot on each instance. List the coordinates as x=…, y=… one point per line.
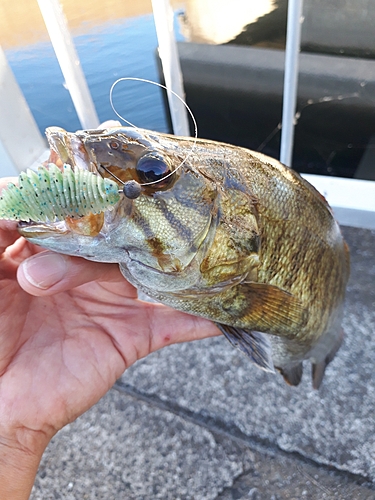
x=233, y=236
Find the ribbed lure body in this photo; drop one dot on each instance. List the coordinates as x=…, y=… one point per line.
x=50, y=195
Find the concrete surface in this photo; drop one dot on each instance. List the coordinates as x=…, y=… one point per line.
x=197, y=421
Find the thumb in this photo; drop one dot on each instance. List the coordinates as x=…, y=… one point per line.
x=47, y=273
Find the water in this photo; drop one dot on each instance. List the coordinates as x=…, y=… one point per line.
x=112, y=51
x=326, y=142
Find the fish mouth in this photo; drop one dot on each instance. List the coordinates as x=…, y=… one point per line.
x=41, y=230
x=68, y=148
x=65, y=148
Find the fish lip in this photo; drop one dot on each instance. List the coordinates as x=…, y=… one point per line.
x=69, y=148
x=34, y=229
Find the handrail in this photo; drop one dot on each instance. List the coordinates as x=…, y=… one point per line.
x=292, y=50
x=163, y=16
x=67, y=56
x=21, y=143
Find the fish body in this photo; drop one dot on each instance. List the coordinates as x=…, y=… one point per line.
x=230, y=235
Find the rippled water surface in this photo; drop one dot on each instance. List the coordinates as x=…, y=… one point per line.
x=114, y=50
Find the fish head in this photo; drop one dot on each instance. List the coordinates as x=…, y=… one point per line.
x=161, y=236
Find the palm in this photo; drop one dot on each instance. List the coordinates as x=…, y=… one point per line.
x=60, y=353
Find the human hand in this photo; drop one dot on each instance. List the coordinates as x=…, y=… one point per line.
x=68, y=329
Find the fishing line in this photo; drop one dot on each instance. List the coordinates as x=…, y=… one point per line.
x=130, y=190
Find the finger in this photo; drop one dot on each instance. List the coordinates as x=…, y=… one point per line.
x=48, y=273
x=166, y=326
x=22, y=249
x=14, y=254
x=8, y=234
x=8, y=229
x=4, y=181
x=172, y=327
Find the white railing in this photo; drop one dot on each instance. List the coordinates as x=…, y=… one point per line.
x=292, y=50
x=163, y=16
x=21, y=143
x=70, y=65
x=20, y=140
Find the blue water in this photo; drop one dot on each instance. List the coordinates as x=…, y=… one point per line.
x=109, y=52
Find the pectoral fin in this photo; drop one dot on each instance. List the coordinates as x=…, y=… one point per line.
x=269, y=309
x=254, y=344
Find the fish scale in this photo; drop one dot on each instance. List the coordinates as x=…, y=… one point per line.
x=232, y=236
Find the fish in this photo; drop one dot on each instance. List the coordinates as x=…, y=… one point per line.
x=217, y=231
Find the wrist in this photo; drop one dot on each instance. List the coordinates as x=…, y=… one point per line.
x=19, y=462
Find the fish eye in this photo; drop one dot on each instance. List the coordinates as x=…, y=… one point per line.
x=152, y=168
x=114, y=145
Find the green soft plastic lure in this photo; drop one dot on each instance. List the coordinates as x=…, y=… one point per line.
x=49, y=195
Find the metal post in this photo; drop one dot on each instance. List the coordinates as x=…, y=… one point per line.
x=67, y=56
x=21, y=143
x=163, y=16
x=290, y=79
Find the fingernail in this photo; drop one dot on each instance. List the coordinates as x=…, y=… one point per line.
x=45, y=270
